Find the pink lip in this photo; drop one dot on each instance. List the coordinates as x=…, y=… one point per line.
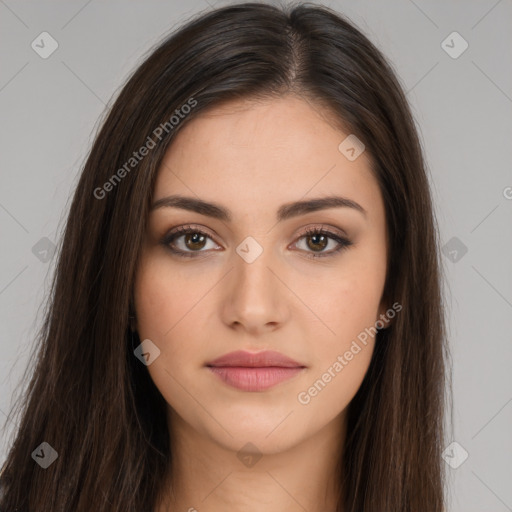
x=254, y=371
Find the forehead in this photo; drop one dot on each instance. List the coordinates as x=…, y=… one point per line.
x=274, y=150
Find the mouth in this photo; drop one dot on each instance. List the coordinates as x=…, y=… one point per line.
x=259, y=371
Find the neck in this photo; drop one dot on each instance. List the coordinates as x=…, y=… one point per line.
x=207, y=476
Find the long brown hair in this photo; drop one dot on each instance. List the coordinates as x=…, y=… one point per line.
x=93, y=401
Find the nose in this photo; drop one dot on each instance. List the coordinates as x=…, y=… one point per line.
x=255, y=298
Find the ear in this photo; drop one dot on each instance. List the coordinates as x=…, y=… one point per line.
x=384, y=319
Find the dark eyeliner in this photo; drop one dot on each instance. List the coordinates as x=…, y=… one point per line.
x=343, y=242
x=176, y=233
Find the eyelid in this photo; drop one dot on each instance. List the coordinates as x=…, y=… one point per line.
x=333, y=230
x=191, y=227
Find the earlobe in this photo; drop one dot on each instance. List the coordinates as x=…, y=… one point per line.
x=383, y=321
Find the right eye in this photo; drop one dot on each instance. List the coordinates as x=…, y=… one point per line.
x=185, y=241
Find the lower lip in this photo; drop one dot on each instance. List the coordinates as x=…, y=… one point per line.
x=254, y=379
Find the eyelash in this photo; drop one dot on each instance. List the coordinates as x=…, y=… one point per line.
x=344, y=243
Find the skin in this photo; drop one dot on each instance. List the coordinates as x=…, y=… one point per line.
x=253, y=157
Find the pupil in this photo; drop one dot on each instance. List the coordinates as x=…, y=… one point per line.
x=195, y=239
x=315, y=240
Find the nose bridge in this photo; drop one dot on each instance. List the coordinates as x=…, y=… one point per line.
x=252, y=275
x=255, y=298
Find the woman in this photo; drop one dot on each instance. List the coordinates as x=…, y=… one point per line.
x=246, y=313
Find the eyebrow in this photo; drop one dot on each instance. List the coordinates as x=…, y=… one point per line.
x=285, y=212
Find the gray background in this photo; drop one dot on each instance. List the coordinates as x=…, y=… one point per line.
x=51, y=107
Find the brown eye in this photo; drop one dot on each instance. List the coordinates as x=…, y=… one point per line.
x=188, y=241
x=317, y=242
x=194, y=241
x=318, y=239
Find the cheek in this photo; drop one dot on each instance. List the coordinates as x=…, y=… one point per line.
x=342, y=354
x=161, y=304
x=163, y=297
x=336, y=382
x=166, y=303
x=347, y=305
x=349, y=308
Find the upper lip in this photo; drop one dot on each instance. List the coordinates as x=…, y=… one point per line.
x=255, y=360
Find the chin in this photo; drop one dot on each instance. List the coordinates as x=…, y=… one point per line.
x=267, y=437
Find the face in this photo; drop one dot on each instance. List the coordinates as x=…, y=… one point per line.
x=255, y=273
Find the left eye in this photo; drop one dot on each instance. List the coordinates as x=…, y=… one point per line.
x=318, y=239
